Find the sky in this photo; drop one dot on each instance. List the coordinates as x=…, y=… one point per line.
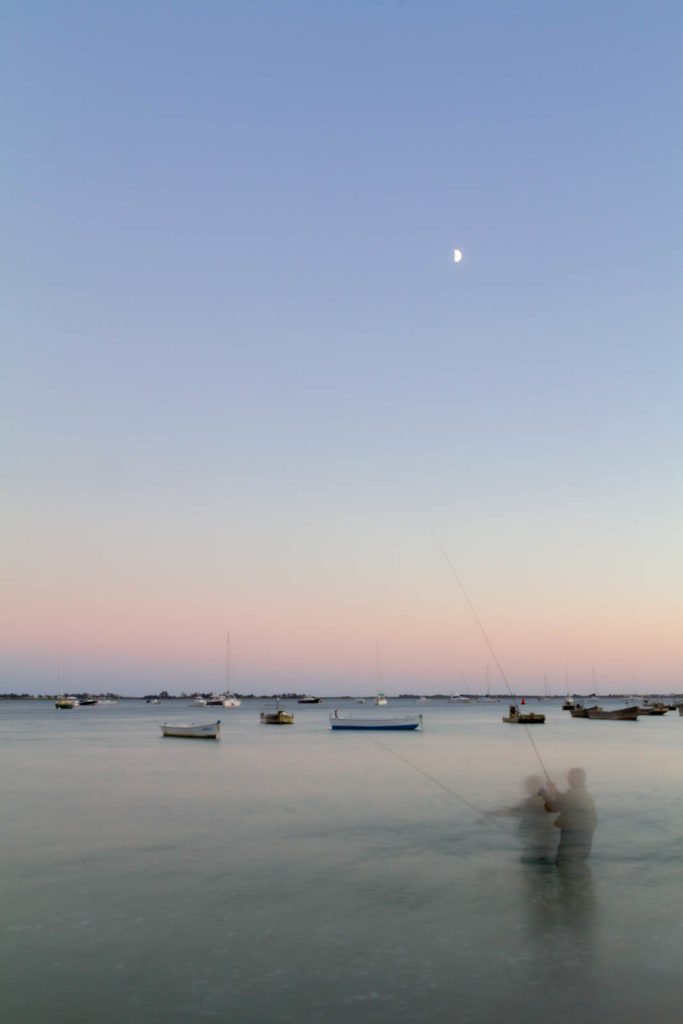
x=247, y=391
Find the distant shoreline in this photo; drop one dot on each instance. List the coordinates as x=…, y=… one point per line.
x=474, y=698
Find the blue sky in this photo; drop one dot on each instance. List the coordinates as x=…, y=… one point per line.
x=246, y=385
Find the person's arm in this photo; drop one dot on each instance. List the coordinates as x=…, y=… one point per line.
x=552, y=797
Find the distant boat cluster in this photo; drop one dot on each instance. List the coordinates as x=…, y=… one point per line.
x=371, y=719
x=595, y=712
x=66, y=703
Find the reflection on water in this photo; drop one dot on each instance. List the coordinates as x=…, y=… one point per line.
x=297, y=876
x=559, y=900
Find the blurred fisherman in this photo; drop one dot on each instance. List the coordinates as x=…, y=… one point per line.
x=577, y=819
x=535, y=829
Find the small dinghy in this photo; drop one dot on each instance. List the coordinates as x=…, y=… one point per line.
x=394, y=722
x=579, y=711
x=209, y=731
x=276, y=716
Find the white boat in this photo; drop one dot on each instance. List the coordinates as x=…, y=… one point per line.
x=488, y=699
x=308, y=699
x=457, y=698
x=338, y=720
x=380, y=699
x=198, y=702
x=209, y=731
x=227, y=699
x=65, y=702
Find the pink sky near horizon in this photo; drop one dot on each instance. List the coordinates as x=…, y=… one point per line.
x=326, y=630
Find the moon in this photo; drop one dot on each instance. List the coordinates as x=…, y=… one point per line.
x=457, y=255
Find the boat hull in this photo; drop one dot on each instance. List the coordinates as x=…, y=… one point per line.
x=617, y=715
x=385, y=723
x=210, y=731
x=581, y=712
x=530, y=719
x=517, y=717
x=277, y=718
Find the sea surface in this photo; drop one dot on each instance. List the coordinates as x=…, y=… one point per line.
x=292, y=874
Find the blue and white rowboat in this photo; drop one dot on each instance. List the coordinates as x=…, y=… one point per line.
x=395, y=722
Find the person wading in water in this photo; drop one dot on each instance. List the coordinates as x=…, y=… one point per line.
x=577, y=819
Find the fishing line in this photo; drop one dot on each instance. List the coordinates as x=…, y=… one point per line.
x=437, y=782
x=490, y=647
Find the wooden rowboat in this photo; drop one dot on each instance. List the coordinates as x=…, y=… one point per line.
x=277, y=718
x=579, y=711
x=209, y=731
x=617, y=714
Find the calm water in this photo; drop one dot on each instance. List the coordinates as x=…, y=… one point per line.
x=292, y=874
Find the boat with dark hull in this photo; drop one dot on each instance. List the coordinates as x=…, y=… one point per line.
x=515, y=717
x=579, y=711
x=616, y=714
x=653, y=709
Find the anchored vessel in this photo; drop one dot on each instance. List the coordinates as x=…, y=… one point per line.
x=209, y=731
x=524, y=718
x=276, y=716
x=394, y=722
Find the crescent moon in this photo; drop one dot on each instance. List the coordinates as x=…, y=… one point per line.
x=457, y=256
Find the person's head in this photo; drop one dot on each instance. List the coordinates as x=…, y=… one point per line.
x=576, y=778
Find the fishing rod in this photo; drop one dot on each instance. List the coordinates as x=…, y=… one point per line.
x=490, y=647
